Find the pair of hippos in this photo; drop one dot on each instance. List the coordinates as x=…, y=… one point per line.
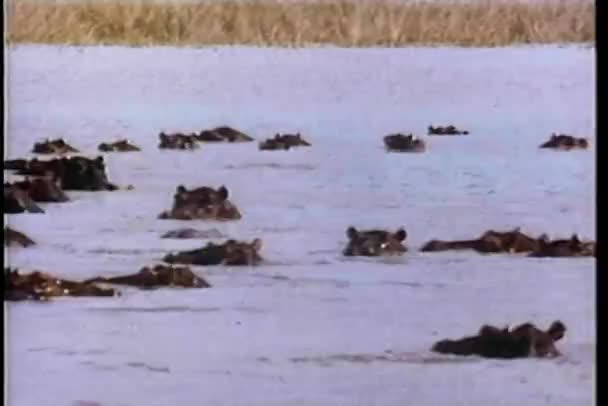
x=42, y=286
x=190, y=141
x=59, y=146
x=46, y=181
x=374, y=243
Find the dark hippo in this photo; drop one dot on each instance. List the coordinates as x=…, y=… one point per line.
x=17, y=200
x=223, y=134
x=492, y=342
x=177, y=141
x=15, y=164
x=188, y=233
x=44, y=189
x=56, y=146
x=403, y=143
x=122, y=145
x=12, y=237
x=72, y=173
x=203, y=203
x=565, y=142
x=448, y=130
x=491, y=241
x=572, y=247
x=157, y=276
x=41, y=286
x=283, y=142
x=229, y=253
x=373, y=243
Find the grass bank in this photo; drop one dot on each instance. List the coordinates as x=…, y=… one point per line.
x=301, y=23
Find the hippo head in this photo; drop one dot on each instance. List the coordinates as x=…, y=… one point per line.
x=375, y=243
x=242, y=253
x=582, y=143
x=557, y=330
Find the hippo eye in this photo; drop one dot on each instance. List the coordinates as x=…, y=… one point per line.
x=384, y=246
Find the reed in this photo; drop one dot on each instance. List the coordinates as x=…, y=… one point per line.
x=301, y=23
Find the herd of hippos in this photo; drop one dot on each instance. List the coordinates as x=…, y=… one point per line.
x=47, y=180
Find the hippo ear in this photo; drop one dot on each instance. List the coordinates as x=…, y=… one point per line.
x=256, y=244
x=180, y=189
x=222, y=192
x=543, y=237
x=298, y=135
x=351, y=233
x=99, y=159
x=574, y=238
x=516, y=230
x=401, y=234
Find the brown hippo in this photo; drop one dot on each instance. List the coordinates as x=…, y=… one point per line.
x=203, y=203
x=56, y=146
x=572, y=247
x=404, y=143
x=229, y=253
x=284, y=141
x=223, y=134
x=565, y=142
x=12, y=237
x=188, y=233
x=157, y=276
x=273, y=145
x=177, y=141
x=40, y=286
x=44, y=189
x=492, y=342
x=373, y=243
x=122, y=145
x=448, y=130
x=72, y=173
x=491, y=241
x=15, y=164
x=17, y=200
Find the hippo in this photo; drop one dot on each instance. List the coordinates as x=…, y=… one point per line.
x=188, y=233
x=122, y=145
x=284, y=141
x=572, y=247
x=72, y=173
x=17, y=200
x=177, y=141
x=15, y=164
x=56, y=146
x=231, y=253
x=42, y=286
x=203, y=203
x=565, y=142
x=273, y=145
x=448, y=130
x=513, y=241
x=157, y=276
x=404, y=143
x=223, y=134
x=373, y=243
x=523, y=341
x=44, y=189
x=12, y=237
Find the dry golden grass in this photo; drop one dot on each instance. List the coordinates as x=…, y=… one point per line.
x=302, y=23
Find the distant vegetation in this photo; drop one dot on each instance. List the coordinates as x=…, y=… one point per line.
x=302, y=23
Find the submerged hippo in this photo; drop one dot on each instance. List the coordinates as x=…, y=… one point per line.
x=223, y=134
x=14, y=237
x=203, y=203
x=373, y=243
x=72, y=173
x=565, y=142
x=572, y=247
x=523, y=341
x=42, y=286
x=157, y=276
x=491, y=241
x=17, y=200
x=188, y=233
x=122, y=145
x=229, y=253
x=44, y=189
x=177, y=141
x=404, y=143
x=56, y=146
x=448, y=130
